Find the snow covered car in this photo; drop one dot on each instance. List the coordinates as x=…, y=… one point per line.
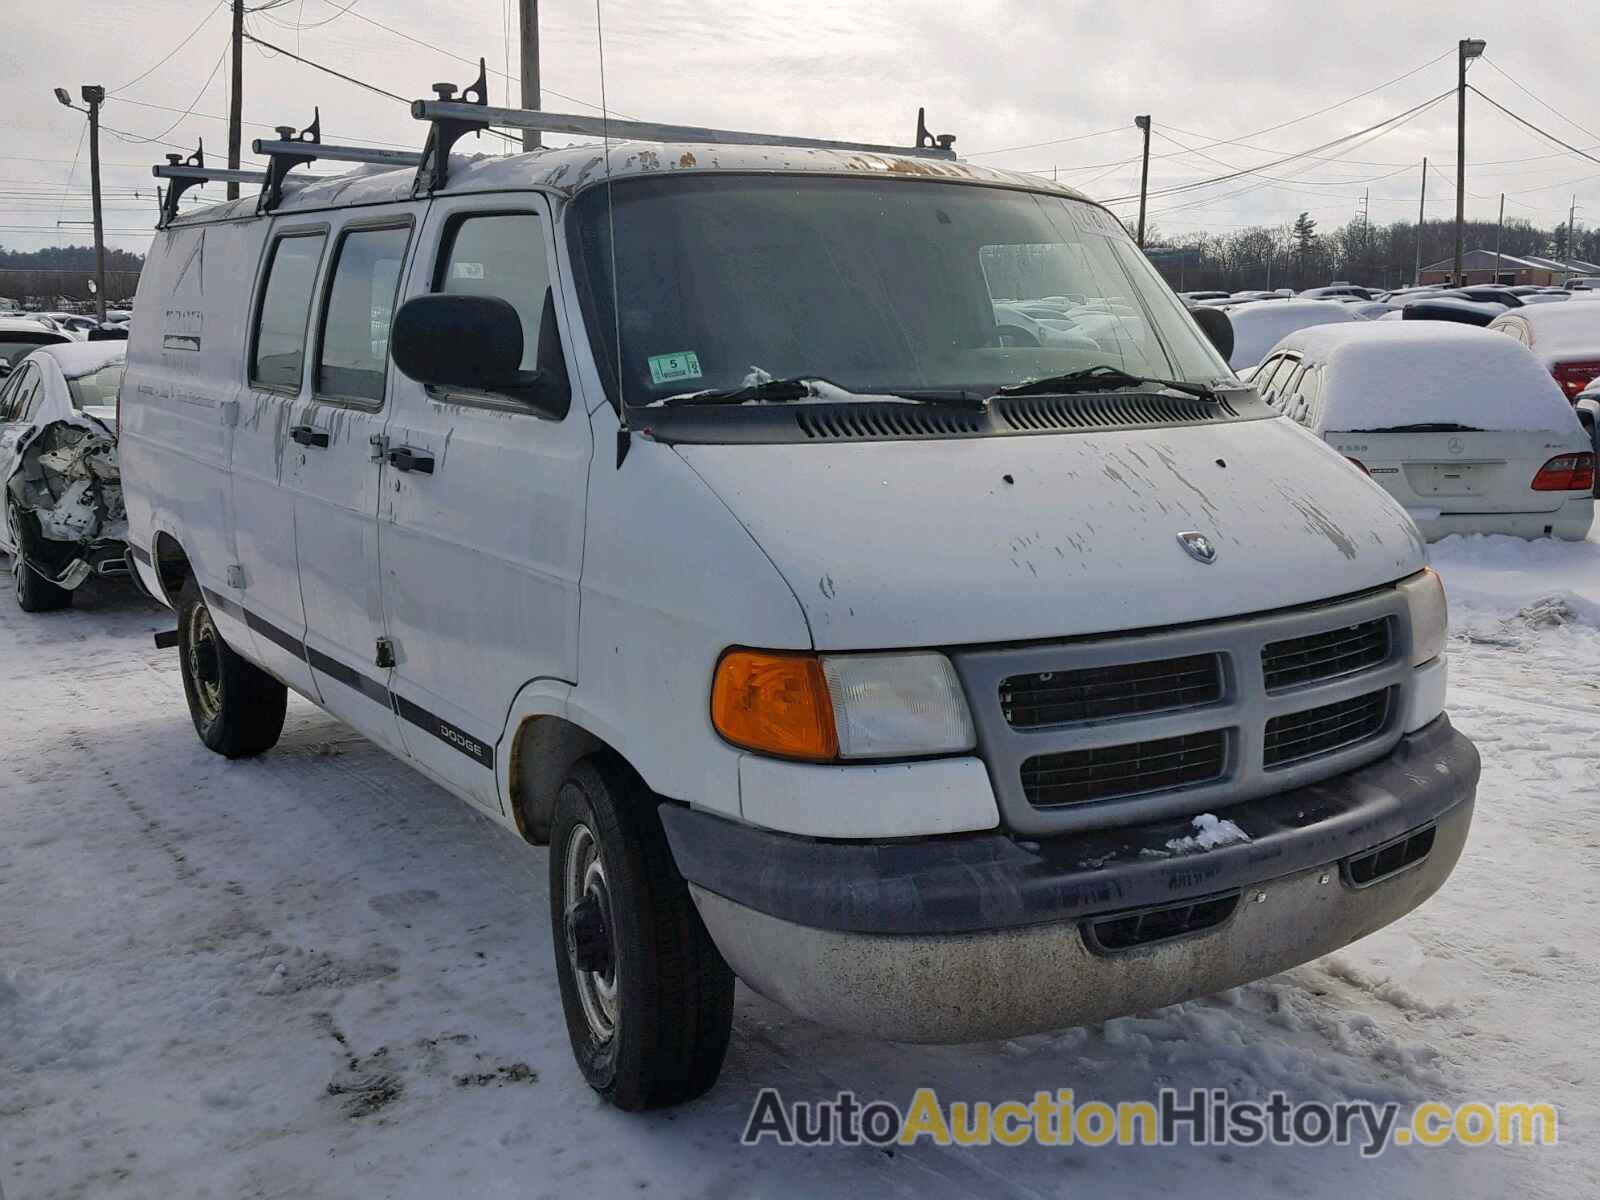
x=21, y=336
x=1564, y=337
x=701, y=523
x=1462, y=427
x=1259, y=325
x=64, y=516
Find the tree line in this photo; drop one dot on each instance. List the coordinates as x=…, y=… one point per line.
x=1299, y=254
x=39, y=278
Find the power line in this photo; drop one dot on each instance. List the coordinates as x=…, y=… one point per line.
x=1395, y=120
x=1285, y=124
x=199, y=96
x=1530, y=95
x=211, y=12
x=360, y=83
x=1541, y=132
x=471, y=62
x=1082, y=137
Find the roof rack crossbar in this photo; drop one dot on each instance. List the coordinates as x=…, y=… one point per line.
x=466, y=116
x=301, y=148
x=208, y=174
x=329, y=153
x=185, y=173
x=481, y=115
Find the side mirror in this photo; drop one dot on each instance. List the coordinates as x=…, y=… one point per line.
x=1214, y=323
x=476, y=343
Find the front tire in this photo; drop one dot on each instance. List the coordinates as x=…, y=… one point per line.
x=647, y=996
x=238, y=709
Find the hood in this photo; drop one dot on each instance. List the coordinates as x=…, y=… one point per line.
x=936, y=543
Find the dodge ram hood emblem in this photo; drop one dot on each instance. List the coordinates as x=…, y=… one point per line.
x=1199, y=547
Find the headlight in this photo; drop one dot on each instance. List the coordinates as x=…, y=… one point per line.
x=893, y=705
x=840, y=706
x=1430, y=616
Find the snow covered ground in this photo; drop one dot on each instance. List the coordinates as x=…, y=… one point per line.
x=315, y=975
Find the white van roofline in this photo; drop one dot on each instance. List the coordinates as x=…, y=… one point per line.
x=568, y=170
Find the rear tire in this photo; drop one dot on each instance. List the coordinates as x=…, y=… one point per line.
x=238, y=709
x=647, y=996
x=35, y=593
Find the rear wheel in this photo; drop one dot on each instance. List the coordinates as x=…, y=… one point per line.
x=647, y=996
x=35, y=593
x=238, y=709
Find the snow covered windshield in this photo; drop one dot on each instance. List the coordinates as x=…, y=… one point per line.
x=874, y=285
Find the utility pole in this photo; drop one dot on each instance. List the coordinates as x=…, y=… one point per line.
x=1467, y=50
x=1422, y=215
x=94, y=96
x=236, y=97
x=530, y=66
x=1144, y=173
x=1499, y=234
x=1572, y=215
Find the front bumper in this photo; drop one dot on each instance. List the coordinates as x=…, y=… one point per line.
x=964, y=938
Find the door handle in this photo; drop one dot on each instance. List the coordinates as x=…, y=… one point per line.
x=404, y=458
x=308, y=435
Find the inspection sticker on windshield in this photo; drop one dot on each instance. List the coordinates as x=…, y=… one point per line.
x=669, y=368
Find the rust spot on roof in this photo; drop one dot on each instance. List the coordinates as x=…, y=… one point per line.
x=687, y=160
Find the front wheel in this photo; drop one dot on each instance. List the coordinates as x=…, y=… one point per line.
x=238, y=709
x=647, y=996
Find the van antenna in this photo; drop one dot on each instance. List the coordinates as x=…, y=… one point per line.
x=624, y=435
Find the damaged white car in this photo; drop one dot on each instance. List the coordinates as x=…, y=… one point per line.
x=64, y=515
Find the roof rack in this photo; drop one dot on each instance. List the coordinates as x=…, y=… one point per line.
x=290, y=150
x=185, y=173
x=452, y=119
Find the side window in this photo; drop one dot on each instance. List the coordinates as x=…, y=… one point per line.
x=353, y=352
x=502, y=255
x=19, y=398
x=28, y=395
x=8, y=396
x=279, y=352
x=1302, y=405
x=1262, y=379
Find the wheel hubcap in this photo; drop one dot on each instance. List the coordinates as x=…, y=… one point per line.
x=205, y=663
x=589, y=932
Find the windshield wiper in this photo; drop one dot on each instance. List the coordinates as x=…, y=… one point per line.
x=1427, y=427
x=1102, y=378
x=771, y=391
x=784, y=391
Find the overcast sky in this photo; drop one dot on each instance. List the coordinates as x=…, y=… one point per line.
x=997, y=73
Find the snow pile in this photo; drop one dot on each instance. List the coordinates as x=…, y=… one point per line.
x=1259, y=326
x=1210, y=831
x=1511, y=577
x=1382, y=374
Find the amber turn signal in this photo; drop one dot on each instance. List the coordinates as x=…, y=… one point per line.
x=774, y=703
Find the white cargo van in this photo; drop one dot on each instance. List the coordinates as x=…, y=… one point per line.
x=681, y=506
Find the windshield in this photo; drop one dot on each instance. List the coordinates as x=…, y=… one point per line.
x=97, y=389
x=14, y=347
x=874, y=285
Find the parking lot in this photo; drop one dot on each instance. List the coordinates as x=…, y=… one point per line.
x=315, y=974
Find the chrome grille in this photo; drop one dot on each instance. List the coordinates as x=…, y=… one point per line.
x=1099, y=693
x=1131, y=769
x=1314, y=731
x=1327, y=655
